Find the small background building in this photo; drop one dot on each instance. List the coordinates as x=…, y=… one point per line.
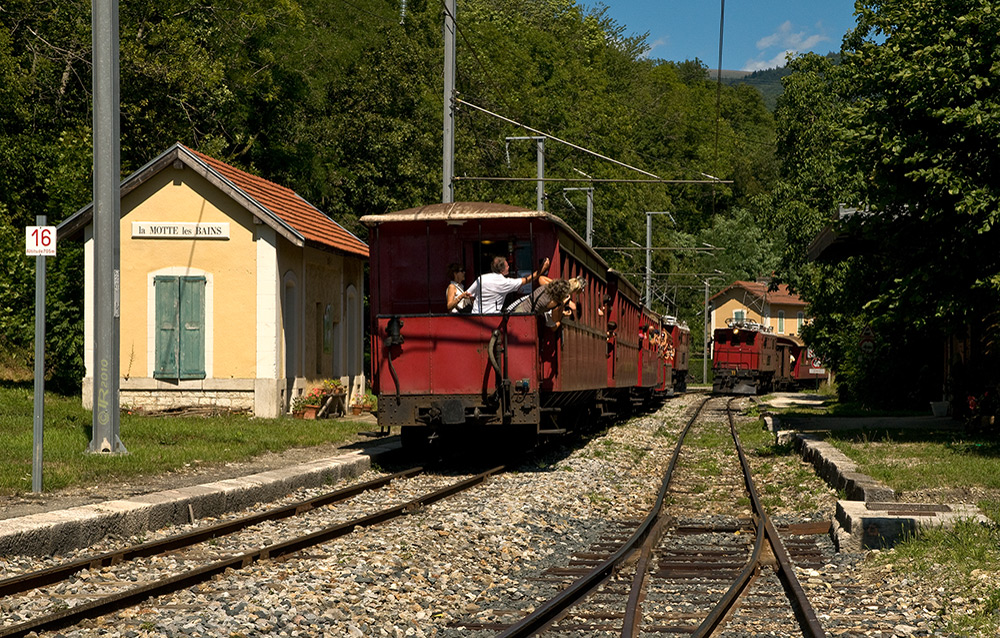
x=782, y=310
x=235, y=292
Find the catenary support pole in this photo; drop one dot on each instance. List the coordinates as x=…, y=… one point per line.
x=540, y=189
x=590, y=210
x=649, y=253
x=649, y=257
x=448, y=172
x=107, y=206
x=704, y=348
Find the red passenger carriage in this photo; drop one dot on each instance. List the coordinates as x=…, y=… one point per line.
x=678, y=348
x=438, y=372
x=798, y=367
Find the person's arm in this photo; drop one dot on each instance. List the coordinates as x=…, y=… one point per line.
x=472, y=291
x=453, y=298
x=538, y=274
x=563, y=311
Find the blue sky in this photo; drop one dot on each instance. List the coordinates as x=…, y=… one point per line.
x=757, y=35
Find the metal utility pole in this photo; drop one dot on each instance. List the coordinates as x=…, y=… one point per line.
x=540, y=172
x=704, y=349
x=448, y=172
x=590, y=211
x=649, y=254
x=540, y=189
x=40, y=242
x=107, y=217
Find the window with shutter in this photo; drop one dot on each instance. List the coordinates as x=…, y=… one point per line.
x=180, y=322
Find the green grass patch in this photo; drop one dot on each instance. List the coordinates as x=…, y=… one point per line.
x=782, y=478
x=908, y=460
x=155, y=444
x=710, y=437
x=831, y=407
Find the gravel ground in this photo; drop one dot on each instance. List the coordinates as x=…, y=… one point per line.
x=476, y=558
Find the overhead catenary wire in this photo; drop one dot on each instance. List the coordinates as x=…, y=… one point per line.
x=656, y=178
x=594, y=180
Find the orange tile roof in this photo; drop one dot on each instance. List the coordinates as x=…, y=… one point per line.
x=780, y=296
x=287, y=205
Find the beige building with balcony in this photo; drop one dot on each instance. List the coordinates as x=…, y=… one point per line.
x=783, y=311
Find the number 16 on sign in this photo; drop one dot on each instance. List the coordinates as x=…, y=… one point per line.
x=40, y=240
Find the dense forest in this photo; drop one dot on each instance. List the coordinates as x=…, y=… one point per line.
x=342, y=102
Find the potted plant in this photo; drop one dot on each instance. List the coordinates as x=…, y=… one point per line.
x=298, y=407
x=369, y=402
x=308, y=404
x=333, y=386
x=357, y=403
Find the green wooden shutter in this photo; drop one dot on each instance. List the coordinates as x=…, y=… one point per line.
x=192, y=328
x=167, y=319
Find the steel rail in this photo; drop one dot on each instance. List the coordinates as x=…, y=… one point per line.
x=630, y=623
x=803, y=610
x=34, y=580
x=725, y=604
x=133, y=596
x=630, y=626
x=555, y=607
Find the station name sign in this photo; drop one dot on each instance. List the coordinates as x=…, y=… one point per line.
x=180, y=230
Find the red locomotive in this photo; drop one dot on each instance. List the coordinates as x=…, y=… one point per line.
x=744, y=358
x=439, y=373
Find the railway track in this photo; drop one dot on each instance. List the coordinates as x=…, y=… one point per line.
x=479, y=564
x=192, y=558
x=679, y=571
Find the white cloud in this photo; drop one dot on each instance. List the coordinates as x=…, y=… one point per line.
x=787, y=39
x=759, y=64
x=791, y=42
x=659, y=42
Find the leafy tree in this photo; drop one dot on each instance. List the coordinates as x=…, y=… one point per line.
x=906, y=128
x=925, y=103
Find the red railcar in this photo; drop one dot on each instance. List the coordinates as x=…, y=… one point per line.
x=744, y=358
x=798, y=367
x=437, y=372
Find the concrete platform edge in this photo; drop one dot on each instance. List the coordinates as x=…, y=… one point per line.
x=859, y=523
x=832, y=465
x=60, y=531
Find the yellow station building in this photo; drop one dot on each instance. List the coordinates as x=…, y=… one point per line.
x=235, y=292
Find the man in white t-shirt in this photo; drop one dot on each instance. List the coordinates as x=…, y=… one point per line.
x=490, y=289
